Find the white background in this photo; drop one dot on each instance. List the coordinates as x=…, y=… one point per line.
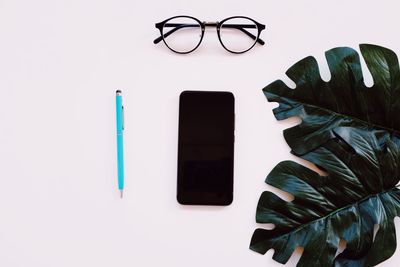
x=60, y=64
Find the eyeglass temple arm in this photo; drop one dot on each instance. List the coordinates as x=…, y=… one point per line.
x=176, y=26
x=240, y=27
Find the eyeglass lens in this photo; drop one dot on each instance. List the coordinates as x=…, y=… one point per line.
x=182, y=34
x=238, y=34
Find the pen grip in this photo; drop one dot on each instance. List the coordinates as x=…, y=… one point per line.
x=120, y=158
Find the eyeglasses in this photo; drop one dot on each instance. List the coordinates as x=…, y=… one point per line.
x=183, y=34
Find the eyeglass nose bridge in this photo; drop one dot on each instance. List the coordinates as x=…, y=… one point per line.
x=211, y=24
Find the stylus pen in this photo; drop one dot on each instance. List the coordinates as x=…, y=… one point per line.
x=120, y=140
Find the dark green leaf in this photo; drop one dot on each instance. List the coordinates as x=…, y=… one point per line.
x=358, y=192
x=342, y=101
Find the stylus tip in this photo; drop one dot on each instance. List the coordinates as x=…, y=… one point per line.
x=121, y=193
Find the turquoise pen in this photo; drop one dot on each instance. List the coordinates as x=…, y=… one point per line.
x=120, y=140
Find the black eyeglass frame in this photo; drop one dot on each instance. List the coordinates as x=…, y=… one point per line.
x=203, y=25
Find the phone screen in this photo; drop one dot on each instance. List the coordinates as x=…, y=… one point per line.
x=205, y=148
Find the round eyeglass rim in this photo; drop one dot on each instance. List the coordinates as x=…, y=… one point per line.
x=182, y=16
x=259, y=29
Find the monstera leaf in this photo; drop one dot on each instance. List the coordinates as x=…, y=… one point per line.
x=352, y=132
x=342, y=101
x=358, y=192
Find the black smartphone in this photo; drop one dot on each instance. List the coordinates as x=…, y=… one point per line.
x=205, y=148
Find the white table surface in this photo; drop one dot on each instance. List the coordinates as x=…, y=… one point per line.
x=60, y=64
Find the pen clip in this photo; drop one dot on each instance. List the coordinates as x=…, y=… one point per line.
x=123, y=118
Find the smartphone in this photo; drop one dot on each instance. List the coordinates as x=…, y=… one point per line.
x=206, y=148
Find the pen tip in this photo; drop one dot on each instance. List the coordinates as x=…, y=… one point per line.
x=121, y=193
